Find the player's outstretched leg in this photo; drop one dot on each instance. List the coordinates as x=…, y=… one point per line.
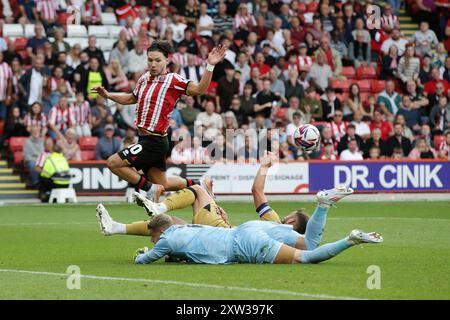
x=316, y=224
x=330, y=250
x=110, y=227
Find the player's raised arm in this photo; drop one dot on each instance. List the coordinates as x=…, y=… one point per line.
x=215, y=56
x=120, y=98
x=259, y=197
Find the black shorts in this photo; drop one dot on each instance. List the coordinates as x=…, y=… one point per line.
x=149, y=152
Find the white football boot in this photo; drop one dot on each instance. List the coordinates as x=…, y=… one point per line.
x=105, y=220
x=358, y=236
x=331, y=196
x=150, y=207
x=207, y=184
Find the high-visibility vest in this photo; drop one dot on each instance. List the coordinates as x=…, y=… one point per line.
x=56, y=167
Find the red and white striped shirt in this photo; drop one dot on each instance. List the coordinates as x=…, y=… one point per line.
x=180, y=59
x=39, y=120
x=47, y=9
x=338, y=130
x=390, y=21
x=41, y=159
x=240, y=21
x=5, y=76
x=444, y=147
x=156, y=99
x=60, y=118
x=80, y=113
x=304, y=61
x=131, y=32
x=53, y=84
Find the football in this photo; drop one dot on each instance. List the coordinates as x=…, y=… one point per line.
x=307, y=137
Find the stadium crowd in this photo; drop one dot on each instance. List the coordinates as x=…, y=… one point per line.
x=371, y=91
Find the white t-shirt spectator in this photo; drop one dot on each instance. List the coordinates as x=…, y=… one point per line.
x=400, y=43
x=362, y=128
x=36, y=83
x=321, y=75
x=424, y=40
x=137, y=62
x=205, y=21
x=212, y=122
x=178, y=31
x=347, y=155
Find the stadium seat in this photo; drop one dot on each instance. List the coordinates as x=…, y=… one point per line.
x=341, y=85
x=18, y=158
x=364, y=96
x=82, y=41
x=364, y=85
x=114, y=31
x=109, y=19
x=2, y=127
x=62, y=18
x=88, y=143
x=349, y=72
x=63, y=195
x=76, y=31
x=13, y=30
x=281, y=114
x=366, y=73
x=437, y=140
x=378, y=86
x=87, y=155
x=29, y=30
x=106, y=44
x=17, y=143
x=21, y=43
x=99, y=31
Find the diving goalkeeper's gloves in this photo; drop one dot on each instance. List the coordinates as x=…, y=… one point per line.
x=140, y=251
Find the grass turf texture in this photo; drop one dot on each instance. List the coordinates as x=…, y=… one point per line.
x=413, y=259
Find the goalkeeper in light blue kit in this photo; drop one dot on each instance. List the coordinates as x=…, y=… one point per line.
x=254, y=241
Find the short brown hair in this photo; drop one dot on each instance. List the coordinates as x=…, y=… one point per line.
x=160, y=221
x=302, y=220
x=162, y=46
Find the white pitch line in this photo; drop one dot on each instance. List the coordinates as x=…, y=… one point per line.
x=189, y=284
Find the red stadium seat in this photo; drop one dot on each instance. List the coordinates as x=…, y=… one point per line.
x=88, y=143
x=17, y=143
x=312, y=6
x=438, y=139
x=87, y=155
x=364, y=85
x=21, y=43
x=18, y=158
x=349, y=72
x=2, y=127
x=364, y=96
x=378, y=86
x=366, y=73
x=62, y=18
x=281, y=114
x=341, y=84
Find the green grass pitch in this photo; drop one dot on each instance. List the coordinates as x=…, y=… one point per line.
x=413, y=260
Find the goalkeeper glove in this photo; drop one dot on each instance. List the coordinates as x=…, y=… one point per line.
x=139, y=252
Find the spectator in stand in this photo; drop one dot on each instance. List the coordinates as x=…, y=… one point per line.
x=424, y=39
x=350, y=135
x=446, y=69
x=68, y=71
x=398, y=140
x=394, y=39
x=57, y=85
x=352, y=102
x=440, y=116
x=243, y=22
x=368, y=108
x=277, y=86
x=352, y=153
x=422, y=150
x=248, y=153
x=444, y=148
x=129, y=139
x=425, y=133
x=93, y=77
x=28, y=11
x=37, y=41
x=304, y=61
x=390, y=63
x=320, y=73
x=6, y=87
x=430, y=86
x=317, y=30
x=439, y=56
x=91, y=13
x=189, y=113
x=73, y=59
x=261, y=65
x=121, y=53
x=100, y=117
x=238, y=113
x=247, y=101
x=333, y=58
x=311, y=106
x=181, y=153
x=211, y=121
x=69, y=146
x=190, y=12
x=116, y=77
x=138, y=61
x=142, y=21
x=292, y=85
x=107, y=145
x=338, y=126
x=294, y=107
x=381, y=123
x=14, y=125
x=36, y=118
x=192, y=71
x=407, y=132
x=59, y=45
x=433, y=99
x=243, y=67
x=425, y=70
x=359, y=50
x=259, y=122
x=177, y=27
x=330, y=103
x=417, y=98
x=31, y=151
x=266, y=101
x=362, y=128
x=375, y=141
x=338, y=44
x=59, y=119
x=222, y=21
x=180, y=58
x=374, y=153
x=412, y=115
x=205, y=24
x=389, y=100
x=33, y=81
x=408, y=67
x=80, y=112
x=328, y=153
x=93, y=51
x=389, y=20
x=227, y=88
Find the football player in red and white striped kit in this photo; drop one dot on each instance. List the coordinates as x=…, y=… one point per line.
x=156, y=94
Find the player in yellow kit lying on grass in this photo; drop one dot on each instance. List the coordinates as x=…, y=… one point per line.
x=207, y=212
